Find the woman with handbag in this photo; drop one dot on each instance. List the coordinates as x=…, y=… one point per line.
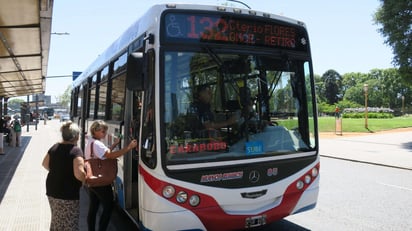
x=102, y=194
x=65, y=164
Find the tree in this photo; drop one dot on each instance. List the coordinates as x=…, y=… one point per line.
x=65, y=98
x=350, y=80
x=385, y=88
x=14, y=105
x=332, y=89
x=395, y=16
x=355, y=94
x=319, y=86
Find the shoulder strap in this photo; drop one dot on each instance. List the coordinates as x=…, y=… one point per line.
x=91, y=150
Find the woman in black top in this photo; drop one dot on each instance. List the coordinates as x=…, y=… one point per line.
x=65, y=164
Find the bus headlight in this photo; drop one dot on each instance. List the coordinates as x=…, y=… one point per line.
x=194, y=200
x=168, y=191
x=300, y=184
x=181, y=197
x=314, y=172
x=307, y=179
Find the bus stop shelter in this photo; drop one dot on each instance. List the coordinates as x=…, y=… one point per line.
x=25, y=30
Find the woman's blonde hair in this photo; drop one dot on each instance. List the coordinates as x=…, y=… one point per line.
x=98, y=125
x=70, y=131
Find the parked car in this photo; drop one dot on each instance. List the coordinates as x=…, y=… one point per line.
x=64, y=117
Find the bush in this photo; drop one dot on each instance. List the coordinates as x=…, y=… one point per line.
x=372, y=115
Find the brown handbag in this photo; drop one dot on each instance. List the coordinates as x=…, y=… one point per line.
x=100, y=172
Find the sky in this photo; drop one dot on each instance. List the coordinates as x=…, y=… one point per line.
x=342, y=34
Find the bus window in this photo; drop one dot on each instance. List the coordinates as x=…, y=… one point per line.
x=120, y=64
x=74, y=102
x=148, y=153
x=104, y=75
x=80, y=101
x=101, y=109
x=311, y=108
x=92, y=101
x=261, y=91
x=117, y=97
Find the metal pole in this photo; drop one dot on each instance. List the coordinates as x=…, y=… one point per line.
x=28, y=114
x=365, y=87
x=37, y=112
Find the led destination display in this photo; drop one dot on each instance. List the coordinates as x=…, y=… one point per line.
x=185, y=27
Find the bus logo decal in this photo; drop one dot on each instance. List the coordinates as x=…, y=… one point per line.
x=221, y=177
x=254, y=176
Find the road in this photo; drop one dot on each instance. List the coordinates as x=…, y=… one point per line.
x=358, y=196
x=365, y=185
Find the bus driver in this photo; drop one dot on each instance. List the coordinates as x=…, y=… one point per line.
x=202, y=107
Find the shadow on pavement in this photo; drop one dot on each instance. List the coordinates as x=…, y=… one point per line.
x=283, y=225
x=9, y=162
x=407, y=145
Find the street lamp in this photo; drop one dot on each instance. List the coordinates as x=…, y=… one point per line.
x=365, y=89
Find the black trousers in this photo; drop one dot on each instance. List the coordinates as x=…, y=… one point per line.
x=100, y=196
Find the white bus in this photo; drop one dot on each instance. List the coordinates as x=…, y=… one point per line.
x=185, y=175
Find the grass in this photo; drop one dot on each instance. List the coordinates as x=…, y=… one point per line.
x=327, y=124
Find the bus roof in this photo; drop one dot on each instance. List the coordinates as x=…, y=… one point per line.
x=136, y=29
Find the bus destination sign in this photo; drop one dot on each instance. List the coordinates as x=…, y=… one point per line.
x=190, y=27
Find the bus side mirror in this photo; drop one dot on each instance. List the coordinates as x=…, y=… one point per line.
x=135, y=71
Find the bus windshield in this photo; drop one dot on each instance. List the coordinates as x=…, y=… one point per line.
x=228, y=106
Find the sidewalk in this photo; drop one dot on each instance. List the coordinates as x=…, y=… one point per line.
x=388, y=148
x=23, y=201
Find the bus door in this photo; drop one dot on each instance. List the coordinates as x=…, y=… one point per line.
x=134, y=130
x=142, y=123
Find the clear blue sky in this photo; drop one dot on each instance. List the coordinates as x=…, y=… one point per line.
x=342, y=33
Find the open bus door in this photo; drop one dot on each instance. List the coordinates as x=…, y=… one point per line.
x=134, y=85
x=133, y=197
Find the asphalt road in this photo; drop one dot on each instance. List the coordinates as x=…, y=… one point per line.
x=359, y=196
x=365, y=184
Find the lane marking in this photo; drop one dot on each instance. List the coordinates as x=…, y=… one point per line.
x=396, y=186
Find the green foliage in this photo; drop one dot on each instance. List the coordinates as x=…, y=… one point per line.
x=332, y=86
x=327, y=124
x=15, y=103
x=327, y=109
x=395, y=17
x=348, y=104
x=371, y=115
x=385, y=89
x=65, y=98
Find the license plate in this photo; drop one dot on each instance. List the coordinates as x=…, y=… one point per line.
x=255, y=221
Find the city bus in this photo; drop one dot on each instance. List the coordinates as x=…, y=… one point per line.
x=185, y=175
x=46, y=111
